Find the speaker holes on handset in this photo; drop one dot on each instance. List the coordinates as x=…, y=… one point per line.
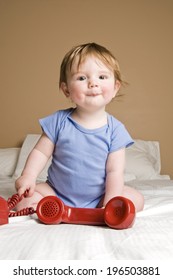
x=50, y=209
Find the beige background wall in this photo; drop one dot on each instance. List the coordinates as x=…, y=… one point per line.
x=35, y=35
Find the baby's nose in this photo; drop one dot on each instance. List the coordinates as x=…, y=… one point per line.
x=93, y=83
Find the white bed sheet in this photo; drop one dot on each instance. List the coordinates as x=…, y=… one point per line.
x=150, y=237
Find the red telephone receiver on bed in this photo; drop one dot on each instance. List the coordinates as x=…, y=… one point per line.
x=119, y=213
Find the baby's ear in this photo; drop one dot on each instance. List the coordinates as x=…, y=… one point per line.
x=64, y=88
x=117, y=87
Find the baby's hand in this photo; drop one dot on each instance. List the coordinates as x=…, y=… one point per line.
x=25, y=183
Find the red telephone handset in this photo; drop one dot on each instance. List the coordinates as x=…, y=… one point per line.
x=119, y=212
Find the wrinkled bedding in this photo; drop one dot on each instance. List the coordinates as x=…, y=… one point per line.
x=150, y=237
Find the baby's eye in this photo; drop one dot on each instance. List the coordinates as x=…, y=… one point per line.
x=102, y=77
x=81, y=78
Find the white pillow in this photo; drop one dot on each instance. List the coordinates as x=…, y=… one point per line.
x=143, y=160
x=28, y=144
x=8, y=161
x=129, y=177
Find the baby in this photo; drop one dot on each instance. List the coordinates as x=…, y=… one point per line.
x=86, y=143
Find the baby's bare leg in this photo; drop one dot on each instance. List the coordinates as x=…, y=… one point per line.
x=132, y=194
x=41, y=190
x=135, y=196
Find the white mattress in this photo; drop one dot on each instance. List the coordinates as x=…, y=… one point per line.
x=150, y=237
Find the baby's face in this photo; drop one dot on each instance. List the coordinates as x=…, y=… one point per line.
x=91, y=84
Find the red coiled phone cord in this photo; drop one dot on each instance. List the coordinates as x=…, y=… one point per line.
x=13, y=201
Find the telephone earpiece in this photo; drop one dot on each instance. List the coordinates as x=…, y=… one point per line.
x=119, y=213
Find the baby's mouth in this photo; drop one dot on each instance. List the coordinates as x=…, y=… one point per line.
x=93, y=94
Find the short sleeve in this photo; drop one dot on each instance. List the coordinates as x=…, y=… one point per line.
x=120, y=137
x=50, y=125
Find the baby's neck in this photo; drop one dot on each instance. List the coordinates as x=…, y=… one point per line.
x=90, y=120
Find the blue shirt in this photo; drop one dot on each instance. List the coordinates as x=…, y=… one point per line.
x=77, y=173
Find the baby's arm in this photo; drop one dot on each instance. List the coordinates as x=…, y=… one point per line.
x=35, y=163
x=114, y=175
